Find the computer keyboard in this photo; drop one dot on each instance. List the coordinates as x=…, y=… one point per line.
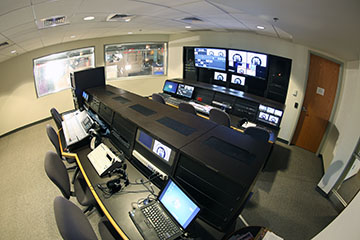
x=73, y=131
x=102, y=158
x=164, y=226
x=174, y=101
x=202, y=108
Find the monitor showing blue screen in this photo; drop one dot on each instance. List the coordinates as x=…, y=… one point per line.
x=211, y=58
x=170, y=87
x=179, y=205
x=145, y=139
x=85, y=96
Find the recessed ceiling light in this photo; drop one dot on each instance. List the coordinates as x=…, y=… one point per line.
x=127, y=19
x=187, y=26
x=13, y=51
x=72, y=36
x=89, y=18
x=130, y=32
x=260, y=27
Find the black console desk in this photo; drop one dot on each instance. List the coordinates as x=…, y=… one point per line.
x=216, y=165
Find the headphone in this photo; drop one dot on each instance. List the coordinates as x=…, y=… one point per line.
x=114, y=185
x=242, y=122
x=95, y=140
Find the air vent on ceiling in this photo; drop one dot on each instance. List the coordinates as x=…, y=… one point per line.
x=3, y=44
x=192, y=20
x=120, y=17
x=51, y=22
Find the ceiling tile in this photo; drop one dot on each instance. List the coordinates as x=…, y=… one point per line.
x=2, y=38
x=7, y=51
x=7, y=6
x=56, y=8
x=20, y=29
x=194, y=9
x=116, y=6
x=24, y=36
x=168, y=3
x=31, y=44
x=16, y=18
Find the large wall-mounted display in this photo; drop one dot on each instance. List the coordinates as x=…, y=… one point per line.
x=261, y=74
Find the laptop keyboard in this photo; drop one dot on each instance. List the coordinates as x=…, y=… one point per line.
x=163, y=224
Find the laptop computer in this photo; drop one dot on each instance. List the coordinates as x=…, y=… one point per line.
x=168, y=216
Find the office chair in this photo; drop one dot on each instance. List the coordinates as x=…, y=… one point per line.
x=186, y=107
x=220, y=117
x=57, y=117
x=71, y=221
x=56, y=171
x=74, y=225
x=54, y=139
x=157, y=98
x=258, y=133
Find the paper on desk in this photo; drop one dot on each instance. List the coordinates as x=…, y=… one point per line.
x=248, y=124
x=271, y=236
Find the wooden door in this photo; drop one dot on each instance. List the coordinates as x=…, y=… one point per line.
x=318, y=103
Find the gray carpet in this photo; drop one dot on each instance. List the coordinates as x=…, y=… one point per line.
x=26, y=192
x=284, y=197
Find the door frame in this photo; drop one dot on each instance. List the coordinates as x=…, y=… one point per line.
x=336, y=100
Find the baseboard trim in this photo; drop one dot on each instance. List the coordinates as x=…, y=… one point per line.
x=319, y=190
x=283, y=141
x=26, y=126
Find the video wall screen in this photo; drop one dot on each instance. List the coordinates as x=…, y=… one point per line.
x=211, y=58
x=238, y=80
x=247, y=63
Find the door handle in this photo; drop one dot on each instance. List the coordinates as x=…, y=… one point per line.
x=304, y=109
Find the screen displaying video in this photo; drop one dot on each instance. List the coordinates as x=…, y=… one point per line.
x=218, y=76
x=211, y=58
x=248, y=63
x=161, y=150
x=239, y=80
x=185, y=90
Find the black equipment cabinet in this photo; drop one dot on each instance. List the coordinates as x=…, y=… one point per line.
x=219, y=170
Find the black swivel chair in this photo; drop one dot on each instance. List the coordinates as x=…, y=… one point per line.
x=157, y=98
x=258, y=133
x=261, y=135
x=56, y=171
x=220, y=117
x=57, y=117
x=73, y=224
x=54, y=139
x=186, y=107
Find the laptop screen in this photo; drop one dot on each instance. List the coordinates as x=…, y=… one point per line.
x=180, y=206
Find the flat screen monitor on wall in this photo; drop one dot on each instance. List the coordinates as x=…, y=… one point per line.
x=248, y=63
x=211, y=58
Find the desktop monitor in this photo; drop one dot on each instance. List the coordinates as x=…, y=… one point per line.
x=219, y=76
x=185, y=91
x=156, y=147
x=269, y=115
x=210, y=58
x=170, y=87
x=238, y=80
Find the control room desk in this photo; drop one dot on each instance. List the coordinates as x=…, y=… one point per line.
x=117, y=207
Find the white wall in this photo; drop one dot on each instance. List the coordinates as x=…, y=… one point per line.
x=19, y=104
x=347, y=123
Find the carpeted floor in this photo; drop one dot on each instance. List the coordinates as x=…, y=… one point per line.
x=285, y=199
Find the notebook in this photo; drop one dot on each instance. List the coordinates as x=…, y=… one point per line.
x=168, y=216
